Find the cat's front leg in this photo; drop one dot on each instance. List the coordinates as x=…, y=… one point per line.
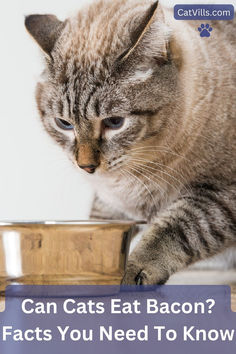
x=195, y=227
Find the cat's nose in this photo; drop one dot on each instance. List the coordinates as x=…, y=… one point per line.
x=89, y=168
x=88, y=157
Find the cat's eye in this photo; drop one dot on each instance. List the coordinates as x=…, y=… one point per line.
x=63, y=124
x=113, y=122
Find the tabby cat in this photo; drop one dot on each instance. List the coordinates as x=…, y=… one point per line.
x=146, y=108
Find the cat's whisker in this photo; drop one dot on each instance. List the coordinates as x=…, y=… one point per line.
x=137, y=197
x=161, y=190
x=137, y=170
x=164, y=166
x=161, y=170
x=167, y=149
x=148, y=146
x=157, y=150
x=127, y=177
x=133, y=183
x=152, y=146
x=161, y=165
x=143, y=167
x=143, y=184
x=151, y=150
x=152, y=180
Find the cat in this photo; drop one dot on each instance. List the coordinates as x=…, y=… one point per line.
x=146, y=108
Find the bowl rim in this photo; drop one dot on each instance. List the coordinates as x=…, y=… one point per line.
x=71, y=222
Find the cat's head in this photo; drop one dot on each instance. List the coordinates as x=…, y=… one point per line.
x=109, y=75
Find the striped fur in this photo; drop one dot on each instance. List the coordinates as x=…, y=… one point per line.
x=173, y=162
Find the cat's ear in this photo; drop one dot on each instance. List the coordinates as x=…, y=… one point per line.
x=148, y=35
x=45, y=29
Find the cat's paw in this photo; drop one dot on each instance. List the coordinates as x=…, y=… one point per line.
x=144, y=273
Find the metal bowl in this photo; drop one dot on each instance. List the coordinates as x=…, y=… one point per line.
x=64, y=253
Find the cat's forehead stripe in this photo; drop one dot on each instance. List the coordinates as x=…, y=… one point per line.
x=90, y=95
x=97, y=107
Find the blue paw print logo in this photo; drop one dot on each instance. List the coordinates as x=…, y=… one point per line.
x=205, y=30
